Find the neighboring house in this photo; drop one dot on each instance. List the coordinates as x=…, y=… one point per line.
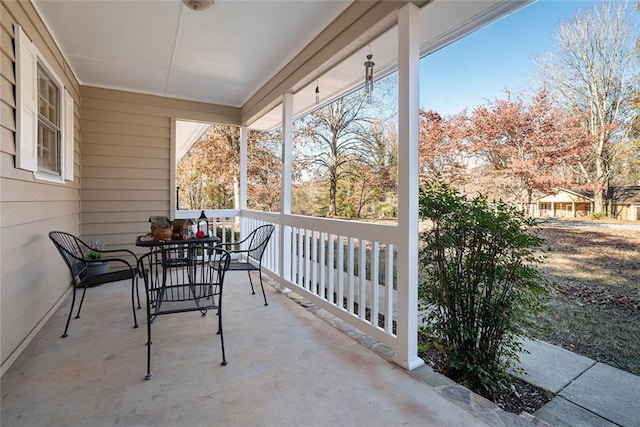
x=564, y=203
x=623, y=203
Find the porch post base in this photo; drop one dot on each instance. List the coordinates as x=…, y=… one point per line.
x=409, y=365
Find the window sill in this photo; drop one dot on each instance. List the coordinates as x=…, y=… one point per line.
x=40, y=176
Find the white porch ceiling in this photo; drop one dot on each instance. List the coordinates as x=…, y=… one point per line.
x=224, y=54
x=221, y=55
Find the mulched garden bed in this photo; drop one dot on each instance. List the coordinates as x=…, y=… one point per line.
x=519, y=396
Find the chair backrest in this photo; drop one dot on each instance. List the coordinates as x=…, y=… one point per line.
x=259, y=240
x=176, y=274
x=70, y=248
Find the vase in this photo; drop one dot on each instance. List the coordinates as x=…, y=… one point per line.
x=96, y=268
x=163, y=233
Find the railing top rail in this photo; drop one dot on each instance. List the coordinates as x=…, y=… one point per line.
x=362, y=230
x=273, y=217
x=215, y=213
x=371, y=231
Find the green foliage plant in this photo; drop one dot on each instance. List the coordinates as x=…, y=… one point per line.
x=479, y=287
x=94, y=252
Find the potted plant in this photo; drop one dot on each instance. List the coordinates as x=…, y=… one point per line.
x=94, y=268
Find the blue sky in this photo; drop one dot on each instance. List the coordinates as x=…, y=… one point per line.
x=479, y=67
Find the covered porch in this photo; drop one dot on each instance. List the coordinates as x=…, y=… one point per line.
x=119, y=171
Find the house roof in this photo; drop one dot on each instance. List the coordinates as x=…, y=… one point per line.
x=565, y=195
x=625, y=194
x=586, y=194
x=225, y=54
x=618, y=194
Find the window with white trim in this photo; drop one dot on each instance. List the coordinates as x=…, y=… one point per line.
x=44, y=117
x=48, y=123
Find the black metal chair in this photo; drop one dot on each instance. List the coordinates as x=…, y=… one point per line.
x=179, y=278
x=74, y=252
x=250, y=259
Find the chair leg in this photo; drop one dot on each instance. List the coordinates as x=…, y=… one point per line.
x=138, y=293
x=262, y=286
x=73, y=303
x=134, y=288
x=251, y=282
x=224, y=357
x=84, y=291
x=148, y=376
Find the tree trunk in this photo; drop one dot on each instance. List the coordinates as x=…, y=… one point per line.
x=529, y=208
x=333, y=189
x=598, y=201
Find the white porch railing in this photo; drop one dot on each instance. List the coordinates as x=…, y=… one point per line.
x=345, y=267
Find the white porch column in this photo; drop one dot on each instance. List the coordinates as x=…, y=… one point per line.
x=173, y=209
x=244, y=135
x=285, y=192
x=408, y=104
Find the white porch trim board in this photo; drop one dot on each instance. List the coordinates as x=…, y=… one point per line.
x=244, y=135
x=285, y=190
x=408, y=105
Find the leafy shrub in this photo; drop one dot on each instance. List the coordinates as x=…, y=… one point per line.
x=479, y=286
x=599, y=215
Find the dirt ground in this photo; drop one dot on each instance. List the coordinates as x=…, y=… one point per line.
x=594, y=304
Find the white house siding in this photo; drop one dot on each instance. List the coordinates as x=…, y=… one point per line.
x=33, y=277
x=126, y=159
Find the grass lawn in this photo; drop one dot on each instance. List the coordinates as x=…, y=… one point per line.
x=594, y=305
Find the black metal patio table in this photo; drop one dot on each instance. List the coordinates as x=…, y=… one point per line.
x=150, y=242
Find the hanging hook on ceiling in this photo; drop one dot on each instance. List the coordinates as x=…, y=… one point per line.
x=198, y=5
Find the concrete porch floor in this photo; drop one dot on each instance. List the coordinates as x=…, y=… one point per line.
x=286, y=367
